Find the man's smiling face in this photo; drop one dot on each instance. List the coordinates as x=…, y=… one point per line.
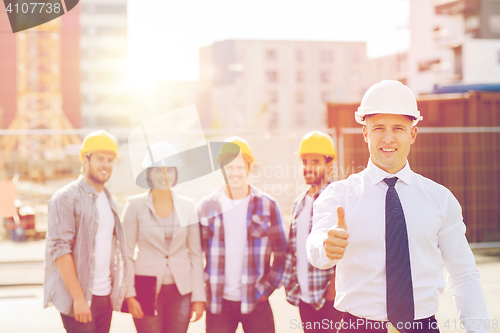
x=389, y=138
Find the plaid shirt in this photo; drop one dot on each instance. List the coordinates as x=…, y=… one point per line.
x=265, y=235
x=72, y=229
x=319, y=280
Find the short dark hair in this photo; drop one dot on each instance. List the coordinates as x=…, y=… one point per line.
x=82, y=169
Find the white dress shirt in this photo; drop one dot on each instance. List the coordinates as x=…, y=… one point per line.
x=436, y=235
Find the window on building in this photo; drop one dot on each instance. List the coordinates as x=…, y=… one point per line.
x=299, y=55
x=272, y=97
x=428, y=65
x=472, y=24
x=272, y=76
x=300, y=118
x=271, y=54
x=326, y=97
x=273, y=119
x=299, y=97
x=325, y=76
x=299, y=77
x=327, y=56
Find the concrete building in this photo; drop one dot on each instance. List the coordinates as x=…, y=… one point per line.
x=277, y=84
x=159, y=97
x=103, y=44
x=453, y=41
x=390, y=67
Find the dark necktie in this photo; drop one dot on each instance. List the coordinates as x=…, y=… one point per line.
x=399, y=286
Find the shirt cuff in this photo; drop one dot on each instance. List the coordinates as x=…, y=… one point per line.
x=316, y=253
x=60, y=252
x=130, y=292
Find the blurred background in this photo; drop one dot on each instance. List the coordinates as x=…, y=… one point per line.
x=269, y=72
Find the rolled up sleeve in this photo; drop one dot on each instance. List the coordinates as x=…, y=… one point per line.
x=62, y=227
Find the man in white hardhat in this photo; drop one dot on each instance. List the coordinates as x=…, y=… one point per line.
x=309, y=288
x=388, y=231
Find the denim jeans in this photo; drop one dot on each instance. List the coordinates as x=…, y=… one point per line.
x=322, y=320
x=101, y=318
x=260, y=320
x=173, y=310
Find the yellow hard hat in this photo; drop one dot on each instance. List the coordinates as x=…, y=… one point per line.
x=99, y=141
x=229, y=149
x=317, y=142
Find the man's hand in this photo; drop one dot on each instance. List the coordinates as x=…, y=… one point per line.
x=197, y=309
x=336, y=242
x=134, y=307
x=82, y=311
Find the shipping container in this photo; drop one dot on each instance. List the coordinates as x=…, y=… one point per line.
x=458, y=146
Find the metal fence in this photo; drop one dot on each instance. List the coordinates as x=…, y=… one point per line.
x=464, y=159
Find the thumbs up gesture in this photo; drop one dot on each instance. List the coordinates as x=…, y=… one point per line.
x=336, y=242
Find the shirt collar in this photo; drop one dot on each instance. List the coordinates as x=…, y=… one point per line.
x=376, y=175
x=89, y=189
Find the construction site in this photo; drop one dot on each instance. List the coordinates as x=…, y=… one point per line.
x=51, y=83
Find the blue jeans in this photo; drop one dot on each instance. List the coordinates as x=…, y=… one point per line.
x=174, y=312
x=260, y=320
x=101, y=317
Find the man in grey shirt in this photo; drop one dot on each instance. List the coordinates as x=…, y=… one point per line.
x=84, y=265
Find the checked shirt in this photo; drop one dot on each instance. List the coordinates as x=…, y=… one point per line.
x=73, y=220
x=319, y=280
x=266, y=236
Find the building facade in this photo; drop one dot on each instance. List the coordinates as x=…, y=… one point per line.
x=453, y=41
x=103, y=44
x=277, y=84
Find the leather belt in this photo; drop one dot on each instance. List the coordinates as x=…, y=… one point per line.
x=362, y=324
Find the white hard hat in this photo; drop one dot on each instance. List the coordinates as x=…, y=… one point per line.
x=164, y=154
x=390, y=97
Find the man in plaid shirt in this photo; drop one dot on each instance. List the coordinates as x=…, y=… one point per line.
x=85, y=251
x=309, y=288
x=241, y=228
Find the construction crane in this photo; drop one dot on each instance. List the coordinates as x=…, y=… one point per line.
x=39, y=100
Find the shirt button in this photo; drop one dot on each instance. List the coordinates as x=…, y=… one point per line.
x=92, y=272
x=93, y=254
x=90, y=289
x=96, y=221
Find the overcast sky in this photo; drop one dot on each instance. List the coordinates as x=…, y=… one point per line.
x=165, y=35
